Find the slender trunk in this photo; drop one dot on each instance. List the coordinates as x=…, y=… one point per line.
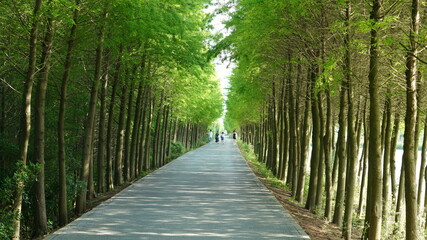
x=109, y=146
x=101, y=130
x=126, y=157
x=393, y=147
x=386, y=161
x=118, y=167
x=374, y=201
x=364, y=166
x=89, y=125
x=314, y=162
x=304, y=147
x=62, y=198
x=421, y=179
x=409, y=144
x=40, y=218
x=24, y=134
x=327, y=141
x=352, y=148
x=321, y=166
x=135, y=132
x=147, y=161
x=341, y=157
x=143, y=132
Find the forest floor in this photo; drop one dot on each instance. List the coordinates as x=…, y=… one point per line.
x=315, y=226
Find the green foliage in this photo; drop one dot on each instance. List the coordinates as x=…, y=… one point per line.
x=177, y=149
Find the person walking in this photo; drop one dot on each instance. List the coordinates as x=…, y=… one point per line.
x=234, y=135
x=210, y=134
x=217, y=137
x=222, y=138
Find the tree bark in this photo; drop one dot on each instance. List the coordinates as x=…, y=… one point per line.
x=101, y=130
x=386, y=160
x=90, y=124
x=118, y=166
x=409, y=160
x=62, y=198
x=374, y=201
x=24, y=134
x=314, y=162
x=109, y=146
x=304, y=146
x=341, y=157
x=40, y=218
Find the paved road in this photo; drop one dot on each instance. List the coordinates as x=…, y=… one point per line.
x=208, y=193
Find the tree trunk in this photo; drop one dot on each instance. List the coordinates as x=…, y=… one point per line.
x=314, y=162
x=40, y=218
x=147, y=161
x=118, y=166
x=89, y=126
x=341, y=157
x=393, y=145
x=109, y=146
x=305, y=138
x=126, y=156
x=62, y=198
x=101, y=130
x=386, y=160
x=421, y=186
x=374, y=201
x=24, y=134
x=135, y=132
x=327, y=142
x=409, y=146
x=352, y=148
x=364, y=166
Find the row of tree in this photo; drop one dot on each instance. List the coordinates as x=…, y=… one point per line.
x=317, y=79
x=93, y=95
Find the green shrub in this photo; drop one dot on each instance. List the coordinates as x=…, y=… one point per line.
x=177, y=149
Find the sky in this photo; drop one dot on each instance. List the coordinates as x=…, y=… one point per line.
x=223, y=69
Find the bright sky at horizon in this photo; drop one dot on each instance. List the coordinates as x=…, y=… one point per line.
x=223, y=69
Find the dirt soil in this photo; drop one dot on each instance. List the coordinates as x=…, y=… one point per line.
x=315, y=226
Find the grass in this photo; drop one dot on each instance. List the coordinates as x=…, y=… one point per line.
x=248, y=153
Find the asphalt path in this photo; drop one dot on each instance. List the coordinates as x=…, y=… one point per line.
x=208, y=193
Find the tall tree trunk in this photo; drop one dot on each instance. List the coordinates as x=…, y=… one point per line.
x=374, y=201
x=126, y=156
x=101, y=130
x=109, y=146
x=147, y=161
x=364, y=166
x=304, y=146
x=409, y=146
x=393, y=146
x=62, y=198
x=421, y=186
x=24, y=134
x=40, y=218
x=135, y=132
x=314, y=162
x=90, y=124
x=118, y=167
x=386, y=160
x=352, y=148
x=341, y=157
x=327, y=142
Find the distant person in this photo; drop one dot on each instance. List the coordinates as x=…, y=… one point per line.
x=217, y=137
x=234, y=135
x=222, y=137
x=210, y=134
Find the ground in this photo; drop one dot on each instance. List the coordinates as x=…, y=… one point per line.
x=315, y=226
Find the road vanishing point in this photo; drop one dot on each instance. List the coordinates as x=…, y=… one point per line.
x=208, y=193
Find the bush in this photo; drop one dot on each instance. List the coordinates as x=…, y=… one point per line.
x=177, y=149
